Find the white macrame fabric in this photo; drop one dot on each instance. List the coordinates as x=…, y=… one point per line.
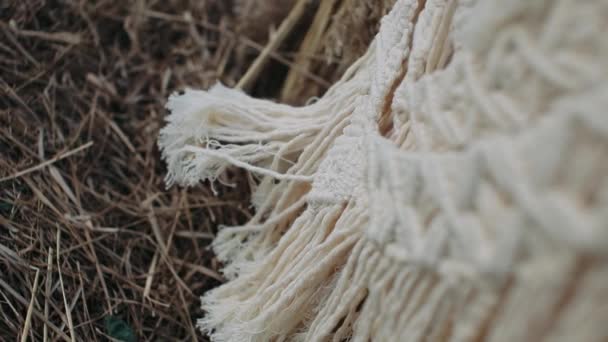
x=453, y=186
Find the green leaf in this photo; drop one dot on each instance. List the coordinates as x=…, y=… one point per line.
x=119, y=329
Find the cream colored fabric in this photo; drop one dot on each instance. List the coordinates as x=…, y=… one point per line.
x=452, y=186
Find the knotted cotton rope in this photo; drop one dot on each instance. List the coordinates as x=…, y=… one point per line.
x=452, y=186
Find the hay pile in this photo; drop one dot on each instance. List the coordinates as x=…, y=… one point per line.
x=85, y=220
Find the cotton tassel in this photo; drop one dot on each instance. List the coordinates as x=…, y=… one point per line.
x=207, y=131
x=278, y=206
x=282, y=289
x=287, y=256
x=376, y=298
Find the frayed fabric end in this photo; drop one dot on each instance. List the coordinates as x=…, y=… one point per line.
x=208, y=131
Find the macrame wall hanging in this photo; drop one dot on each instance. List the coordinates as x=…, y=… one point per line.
x=452, y=186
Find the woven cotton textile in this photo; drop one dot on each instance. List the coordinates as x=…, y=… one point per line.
x=452, y=186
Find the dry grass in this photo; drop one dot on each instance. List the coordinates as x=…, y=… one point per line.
x=92, y=245
x=83, y=206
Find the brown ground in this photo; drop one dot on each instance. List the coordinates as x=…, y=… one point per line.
x=85, y=220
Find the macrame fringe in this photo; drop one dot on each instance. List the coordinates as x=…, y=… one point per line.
x=377, y=298
x=208, y=131
x=409, y=255
x=281, y=290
